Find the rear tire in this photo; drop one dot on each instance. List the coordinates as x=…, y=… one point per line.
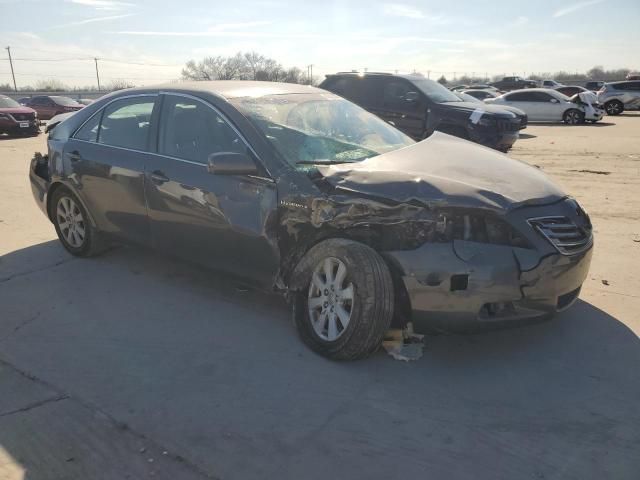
x=573, y=117
x=73, y=226
x=614, y=107
x=345, y=300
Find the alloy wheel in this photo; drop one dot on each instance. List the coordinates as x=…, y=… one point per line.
x=331, y=299
x=71, y=222
x=613, y=108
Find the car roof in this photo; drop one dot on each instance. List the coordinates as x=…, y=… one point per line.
x=233, y=88
x=622, y=81
x=544, y=90
x=407, y=76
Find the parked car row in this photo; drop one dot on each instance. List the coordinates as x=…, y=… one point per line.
x=298, y=190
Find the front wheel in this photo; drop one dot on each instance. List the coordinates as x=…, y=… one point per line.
x=73, y=227
x=573, y=117
x=614, y=107
x=344, y=303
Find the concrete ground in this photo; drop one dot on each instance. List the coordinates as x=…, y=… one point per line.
x=131, y=365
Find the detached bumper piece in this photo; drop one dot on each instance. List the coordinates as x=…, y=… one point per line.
x=39, y=179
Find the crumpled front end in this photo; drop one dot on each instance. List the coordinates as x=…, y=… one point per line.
x=465, y=285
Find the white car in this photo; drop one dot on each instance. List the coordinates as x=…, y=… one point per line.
x=542, y=105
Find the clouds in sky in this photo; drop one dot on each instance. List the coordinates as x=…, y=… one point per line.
x=575, y=7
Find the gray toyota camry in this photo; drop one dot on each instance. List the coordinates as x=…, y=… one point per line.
x=297, y=190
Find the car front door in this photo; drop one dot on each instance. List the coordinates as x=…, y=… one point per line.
x=108, y=155
x=222, y=221
x=551, y=108
x=398, y=102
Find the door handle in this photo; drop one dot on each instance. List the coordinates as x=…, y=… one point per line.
x=75, y=156
x=159, y=177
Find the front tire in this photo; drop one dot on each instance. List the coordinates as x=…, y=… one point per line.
x=345, y=301
x=73, y=226
x=573, y=117
x=614, y=107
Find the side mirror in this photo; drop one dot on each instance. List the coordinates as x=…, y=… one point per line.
x=412, y=97
x=554, y=100
x=230, y=163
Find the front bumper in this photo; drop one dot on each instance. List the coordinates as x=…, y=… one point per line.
x=466, y=285
x=500, y=137
x=15, y=127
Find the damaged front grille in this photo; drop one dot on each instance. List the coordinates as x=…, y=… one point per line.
x=564, y=234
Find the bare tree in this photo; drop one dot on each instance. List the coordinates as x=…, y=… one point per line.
x=51, y=85
x=241, y=66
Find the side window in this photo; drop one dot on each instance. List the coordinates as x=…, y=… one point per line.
x=394, y=95
x=542, y=97
x=192, y=131
x=634, y=86
x=125, y=123
x=40, y=101
x=343, y=87
x=89, y=131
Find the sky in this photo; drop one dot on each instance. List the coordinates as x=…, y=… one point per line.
x=148, y=41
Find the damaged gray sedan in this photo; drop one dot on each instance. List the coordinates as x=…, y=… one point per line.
x=297, y=190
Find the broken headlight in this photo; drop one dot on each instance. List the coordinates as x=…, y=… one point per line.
x=482, y=228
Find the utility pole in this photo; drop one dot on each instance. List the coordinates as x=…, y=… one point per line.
x=13, y=75
x=428, y=73
x=311, y=74
x=95, y=59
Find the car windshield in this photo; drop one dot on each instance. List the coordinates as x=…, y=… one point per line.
x=65, y=101
x=436, y=92
x=318, y=128
x=6, y=102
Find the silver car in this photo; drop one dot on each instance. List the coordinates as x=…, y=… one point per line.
x=620, y=96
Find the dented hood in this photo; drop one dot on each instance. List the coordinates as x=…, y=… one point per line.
x=446, y=171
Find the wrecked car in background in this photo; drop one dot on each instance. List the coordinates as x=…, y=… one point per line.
x=418, y=107
x=299, y=190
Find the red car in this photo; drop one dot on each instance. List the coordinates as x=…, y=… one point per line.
x=16, y=119
x=50, y=106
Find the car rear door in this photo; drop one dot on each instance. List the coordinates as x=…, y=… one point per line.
x=218, y=221
x=107, y=155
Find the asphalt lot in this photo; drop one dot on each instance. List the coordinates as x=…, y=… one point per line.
x=131, y=365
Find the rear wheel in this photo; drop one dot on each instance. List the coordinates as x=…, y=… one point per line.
x=345, y=304
x=573, y=117
x=72, y=224
x=614, y=107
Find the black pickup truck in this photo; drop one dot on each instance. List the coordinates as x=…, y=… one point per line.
x=513, y=83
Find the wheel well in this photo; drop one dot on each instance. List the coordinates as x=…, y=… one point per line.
x=52, y=189
x=402, y=313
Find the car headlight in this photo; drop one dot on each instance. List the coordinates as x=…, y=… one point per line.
x=478, y=227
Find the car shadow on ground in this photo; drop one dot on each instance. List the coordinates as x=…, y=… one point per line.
x=561, y=124
x=525, y=136
x=215, y=372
